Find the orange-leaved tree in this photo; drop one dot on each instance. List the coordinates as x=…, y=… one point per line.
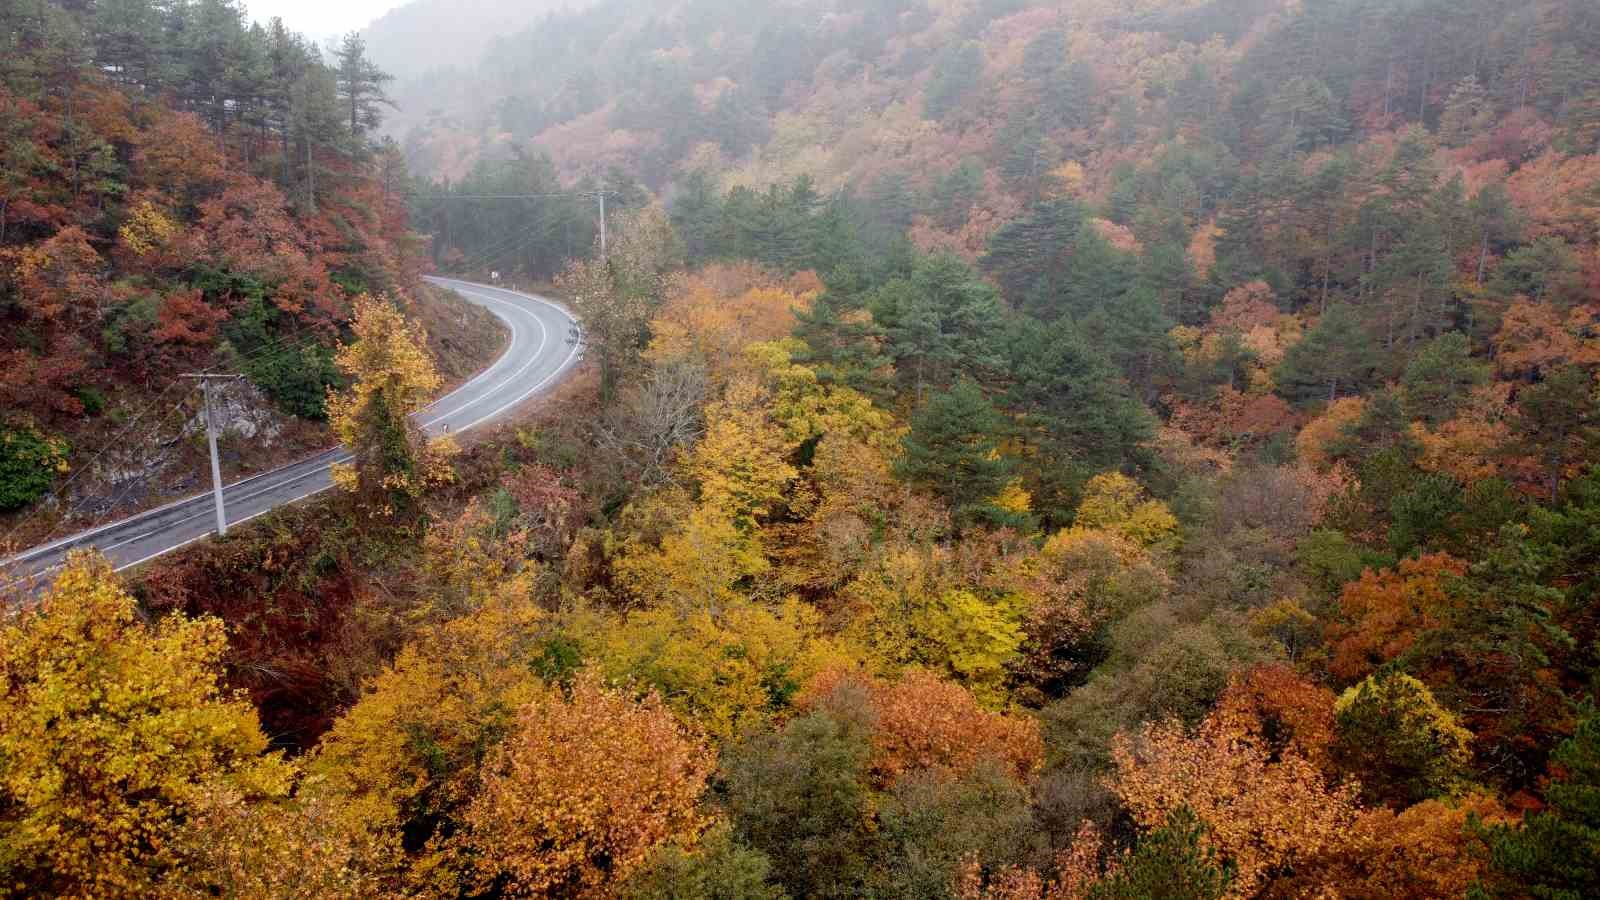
x=922, y=721
x=1264, y=811
x=582, y=792
x=1385, y=612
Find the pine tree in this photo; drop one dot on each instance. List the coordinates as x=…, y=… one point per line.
x=953, y=451
x=360, y=85
x=957, y=72
x=1555, y=854
x=1336, y=358
x=696, y=216
x=941, y=321
x=1466, y=112
x=1172, y=862
x=1558, y=423
x=1077, y=409
x=1439, y=378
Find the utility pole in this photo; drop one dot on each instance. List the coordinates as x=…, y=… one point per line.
x=211, y=441
x=601, y=196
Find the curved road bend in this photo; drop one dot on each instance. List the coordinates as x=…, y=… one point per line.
x=543, y=348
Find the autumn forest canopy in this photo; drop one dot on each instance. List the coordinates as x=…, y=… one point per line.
x=1023, y=451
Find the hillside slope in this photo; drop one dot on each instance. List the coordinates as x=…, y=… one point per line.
x=176, y=205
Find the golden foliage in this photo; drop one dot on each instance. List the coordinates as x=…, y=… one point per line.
x=699, y=566
x=408, y=752
x=237, y=846
x=147, y=229
x=582, y=791
x=1540, y=336
x=740, y=464
x=467, y=565
x=1264, y=811
x=112, y=734
x=1470, y=446
x=805, y=408
x=392, y=376
x=1114, y=502
x=726, y=673
x=910, y=609
x=712, y=315
x=1424, y=851
x=1318, y=435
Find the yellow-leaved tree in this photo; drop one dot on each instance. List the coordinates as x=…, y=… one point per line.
x=1114, y=502
x=740, y=463
x=404, y=761
x=392, y=376
x=114, y=734
x=728, y=673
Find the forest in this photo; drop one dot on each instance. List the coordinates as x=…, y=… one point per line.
x=180, y=191
x=1025, y=451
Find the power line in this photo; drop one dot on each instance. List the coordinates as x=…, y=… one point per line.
x=598, y=192
x=60, y=490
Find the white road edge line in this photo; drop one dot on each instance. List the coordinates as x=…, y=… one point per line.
x=444, y=282
x=533, y=360
x=35, y=552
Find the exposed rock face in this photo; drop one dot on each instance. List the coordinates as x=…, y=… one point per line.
x=242, y=410
x=152, y=463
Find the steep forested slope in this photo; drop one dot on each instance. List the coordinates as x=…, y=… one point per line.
x=1029, y=451
x=181, y=192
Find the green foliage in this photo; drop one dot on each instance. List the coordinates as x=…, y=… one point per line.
x=942, y=323
x=1334, y=560
x=1424, y=514
x=953, y=451
x=931, y=823
x=1076, y=409
x=800, y=796
x=295, y=371
x=1545, y=271
x=1558, y=423
x=1393, y=735
x=30, y=462
x=1158, y=668
x=717, y=868
x=842, y=343
x=1555, y=853
x=958, y=71
x=1438, y=379
x=1337, y=358
x=1171, y=862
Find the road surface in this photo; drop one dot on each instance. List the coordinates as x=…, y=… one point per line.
x=542, y=349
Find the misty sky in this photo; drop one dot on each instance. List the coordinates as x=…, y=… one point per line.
x=321, y=18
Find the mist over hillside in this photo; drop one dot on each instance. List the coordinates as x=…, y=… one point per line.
x=977, y=450
x=423, y=43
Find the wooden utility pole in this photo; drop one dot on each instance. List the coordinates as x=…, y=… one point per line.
x=211, y=441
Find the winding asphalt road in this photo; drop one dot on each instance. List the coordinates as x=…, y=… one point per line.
x=544, y=345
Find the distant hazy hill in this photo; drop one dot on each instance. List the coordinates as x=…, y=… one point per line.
x=424, y=35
